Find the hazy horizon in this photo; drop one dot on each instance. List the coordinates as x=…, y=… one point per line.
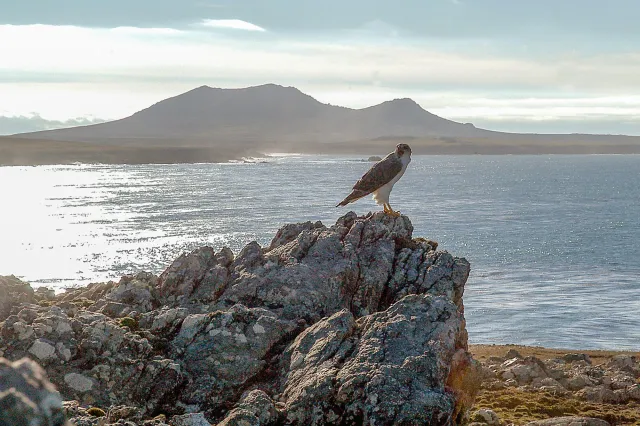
x=548, y=67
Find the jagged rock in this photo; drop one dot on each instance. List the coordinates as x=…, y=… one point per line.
x=523, y=371
x=578, y=382
x=78, y=382
x=569, y=421
x=621, y=380
x=356, y=321
x=255, y=409
x=133, y=293
x=390, y=367
x=512, y=353
x=163, y=321
x=634, y=392
x=486, y=417
x=225, y=349
x=577, y=357
x=549, y=384
x=42, y=350
x=202, y=274
x=628, y=363
x=123, y=412
x=27, y=397
x=601, y=394
x=13, y=292
x=192, y=419
x=87, y=294
x=323, y=270
x=290, y=232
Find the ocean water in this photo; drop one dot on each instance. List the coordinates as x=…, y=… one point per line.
x=553, y=241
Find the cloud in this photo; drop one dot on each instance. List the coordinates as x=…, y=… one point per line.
x=146, y=31
x=34, y=123
x=121, y=54
x=72, y=71
x=376, y=28
x=234, y=24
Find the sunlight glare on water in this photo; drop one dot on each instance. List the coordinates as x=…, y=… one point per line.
x=552, y=240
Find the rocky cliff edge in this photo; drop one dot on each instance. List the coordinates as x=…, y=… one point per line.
x=357, y=323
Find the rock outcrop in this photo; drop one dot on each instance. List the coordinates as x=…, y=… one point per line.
x=615, y=382
x=357, y=323
x=27, y=398
x=566, y=388
x=13, y=292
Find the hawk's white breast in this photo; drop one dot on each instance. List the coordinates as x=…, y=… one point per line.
x=381, y=195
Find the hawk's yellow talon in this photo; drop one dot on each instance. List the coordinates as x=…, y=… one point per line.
x=394, y=213
x=388, y=210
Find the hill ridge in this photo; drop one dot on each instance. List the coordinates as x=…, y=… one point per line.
x=264, y=112
x=273, y=118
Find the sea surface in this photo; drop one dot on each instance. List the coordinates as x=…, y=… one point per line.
x=553, y=241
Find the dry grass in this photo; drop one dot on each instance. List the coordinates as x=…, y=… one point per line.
x=519, y=406
x=483, y=352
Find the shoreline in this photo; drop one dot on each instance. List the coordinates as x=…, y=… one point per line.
x=17, y=151
x=265, y=158
x=483, y=352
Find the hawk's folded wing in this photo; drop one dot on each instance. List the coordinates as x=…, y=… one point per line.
x=381, y=173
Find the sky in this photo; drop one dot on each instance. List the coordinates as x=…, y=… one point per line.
x=561, y=66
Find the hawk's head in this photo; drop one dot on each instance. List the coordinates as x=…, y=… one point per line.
x=403, y=148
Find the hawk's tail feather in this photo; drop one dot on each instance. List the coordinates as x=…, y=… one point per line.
x=356, y=194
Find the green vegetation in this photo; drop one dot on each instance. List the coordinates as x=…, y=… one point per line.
x=96, y=412
x=516, y=406
x=129, y=322
x=82, y=302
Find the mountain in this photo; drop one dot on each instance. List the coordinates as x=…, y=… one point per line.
x=263, y=114
x=212, y=123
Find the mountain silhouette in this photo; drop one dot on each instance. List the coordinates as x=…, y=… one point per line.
x=210, y=124
x=262, y=114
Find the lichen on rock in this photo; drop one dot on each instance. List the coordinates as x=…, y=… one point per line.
x=356, y=323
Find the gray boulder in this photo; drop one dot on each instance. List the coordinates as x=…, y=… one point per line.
x=256, y=408
x=224, y=350
x=27, y=398
x=13, y=292
x=356, y=322
x=391, y=367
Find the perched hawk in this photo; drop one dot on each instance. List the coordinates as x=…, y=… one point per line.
x=379, y=180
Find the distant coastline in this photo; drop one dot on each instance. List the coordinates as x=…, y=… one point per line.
x=29, y=152
x=213, y=125
x=32, y=152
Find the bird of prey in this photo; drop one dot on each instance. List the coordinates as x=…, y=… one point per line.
x=379, y=180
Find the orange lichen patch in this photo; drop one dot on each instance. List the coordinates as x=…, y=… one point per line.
x=463, y=381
